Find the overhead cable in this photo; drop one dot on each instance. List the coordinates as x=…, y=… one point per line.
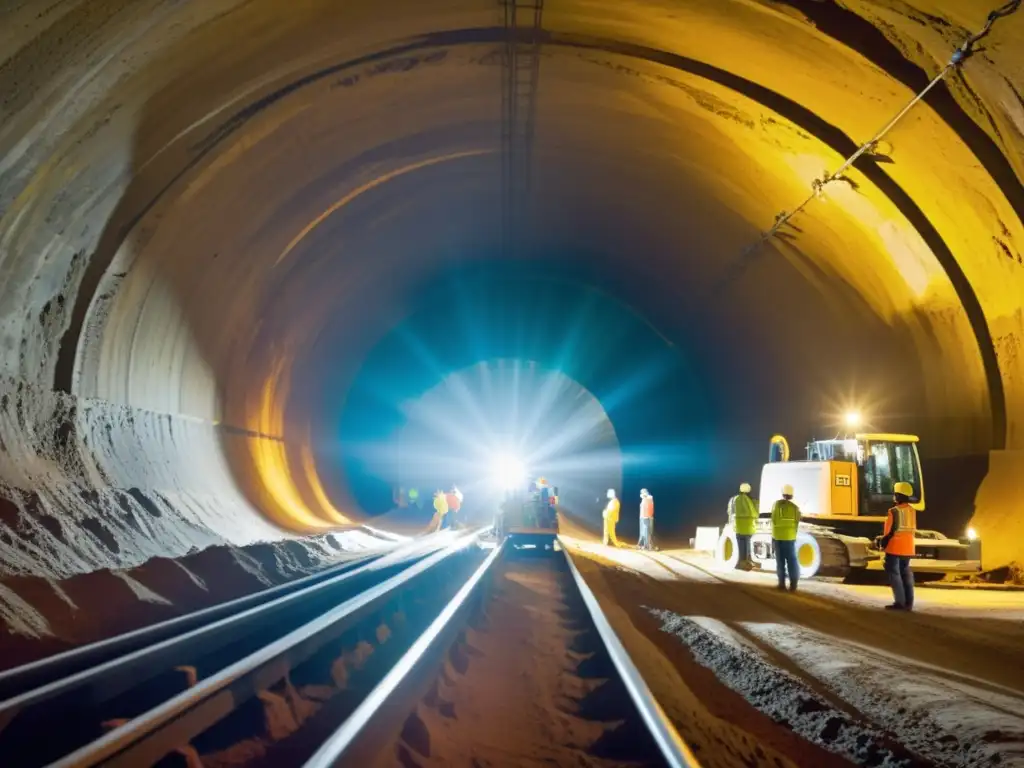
x=960, y=55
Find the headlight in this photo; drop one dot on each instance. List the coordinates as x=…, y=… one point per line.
x=972, y=535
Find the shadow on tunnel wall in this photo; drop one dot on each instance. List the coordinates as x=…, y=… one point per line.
x=202, y=410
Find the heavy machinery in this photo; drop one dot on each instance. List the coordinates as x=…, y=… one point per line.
x=530, y=521
x=844, y=491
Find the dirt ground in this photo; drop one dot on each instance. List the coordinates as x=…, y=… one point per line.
x=825, y=668
x=40, y=617
x=522, y=687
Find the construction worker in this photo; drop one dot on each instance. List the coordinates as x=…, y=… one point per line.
x=611, y=518
x=454, y=501
x=743, y=516
x=898, y=542
x=646, y=521
x=785, y=520
x=440, y=510
x=414, y=498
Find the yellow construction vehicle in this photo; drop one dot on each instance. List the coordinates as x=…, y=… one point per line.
x=844, y=491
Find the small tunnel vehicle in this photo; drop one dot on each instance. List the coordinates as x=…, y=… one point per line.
x=844, y=491
x=530, y=519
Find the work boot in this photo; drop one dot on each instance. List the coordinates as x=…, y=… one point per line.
x=781, y=587
x=895, y=607
x=792, y=587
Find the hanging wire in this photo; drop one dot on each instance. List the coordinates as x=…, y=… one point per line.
x=960, y=55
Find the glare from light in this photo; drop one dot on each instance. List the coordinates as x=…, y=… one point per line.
x=972, y=535
x=852, y=418
x=508, y=472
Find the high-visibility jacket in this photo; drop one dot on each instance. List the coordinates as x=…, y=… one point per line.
x=441, y=505
x=453, y=502
x=647, y=506
x=743, y=514
x=900, y=529
x=611, y=511
x=785, y=519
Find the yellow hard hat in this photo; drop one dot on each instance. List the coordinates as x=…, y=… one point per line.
x=903, y=489
x=744, y=487
x=787, y=490
x=542, y=480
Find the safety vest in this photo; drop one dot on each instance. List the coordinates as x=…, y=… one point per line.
x=611, y=512
x=453, y=501
x=647, y=507
x=440, y=505
x=785, y=520
x=902, y=542
x=743, y=514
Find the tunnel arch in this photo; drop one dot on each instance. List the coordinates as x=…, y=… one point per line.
x=145, y=210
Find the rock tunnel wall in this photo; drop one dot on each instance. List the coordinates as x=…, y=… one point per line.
x=151, y=376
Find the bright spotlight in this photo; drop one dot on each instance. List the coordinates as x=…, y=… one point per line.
x=508, y=472
x=853, y=418
x=972, y=535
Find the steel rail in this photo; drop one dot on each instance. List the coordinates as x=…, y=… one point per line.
x=52, y=668
x=146, y=739
x=675, y=751
x=119, y=673
x=378, y=719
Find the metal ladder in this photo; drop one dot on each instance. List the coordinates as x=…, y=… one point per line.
x=521, y=72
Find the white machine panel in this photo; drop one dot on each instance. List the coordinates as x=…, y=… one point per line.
x=811, y=481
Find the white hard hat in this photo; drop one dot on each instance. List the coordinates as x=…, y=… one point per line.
x=744, y=487
x=611, y=493
x=787, y=490
x=644, y=492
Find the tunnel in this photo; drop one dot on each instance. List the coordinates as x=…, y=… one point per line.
x=235, y=236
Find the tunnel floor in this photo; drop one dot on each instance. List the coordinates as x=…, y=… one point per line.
x=820, y=677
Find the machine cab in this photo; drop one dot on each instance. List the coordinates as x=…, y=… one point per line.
x=882, y=460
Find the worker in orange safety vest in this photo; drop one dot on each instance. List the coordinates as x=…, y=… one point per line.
x=898, y=542
x=646, y=520
x=454, y=501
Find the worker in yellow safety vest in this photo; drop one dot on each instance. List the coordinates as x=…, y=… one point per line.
x=898, y=542
x=440, y=510
x=785, y=521
x=611, y=518
x=743, y=516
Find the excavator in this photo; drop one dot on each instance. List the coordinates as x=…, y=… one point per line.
x=844, y=491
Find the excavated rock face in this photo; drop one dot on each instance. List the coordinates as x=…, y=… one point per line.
x=211, y=214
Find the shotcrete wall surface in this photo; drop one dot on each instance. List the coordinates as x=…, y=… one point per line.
x=201, y=202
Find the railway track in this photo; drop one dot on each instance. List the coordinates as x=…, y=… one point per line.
x=59, y=706
x=336, y=672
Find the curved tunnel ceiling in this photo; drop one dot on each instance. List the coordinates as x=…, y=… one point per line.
x=213, y=213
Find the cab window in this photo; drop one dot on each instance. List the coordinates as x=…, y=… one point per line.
x=892, y=463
